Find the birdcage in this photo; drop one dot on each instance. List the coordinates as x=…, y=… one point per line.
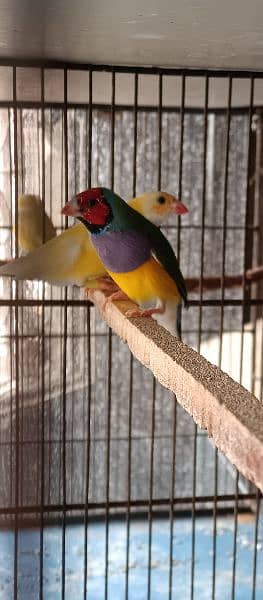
x=109, y=488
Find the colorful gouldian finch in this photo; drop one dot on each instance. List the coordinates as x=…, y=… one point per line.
x=134, y=252
x=33, y=229
x=71, y=258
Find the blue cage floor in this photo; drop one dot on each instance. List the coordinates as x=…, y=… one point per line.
x=29, y=560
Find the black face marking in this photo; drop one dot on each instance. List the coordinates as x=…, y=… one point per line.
x=161, y=200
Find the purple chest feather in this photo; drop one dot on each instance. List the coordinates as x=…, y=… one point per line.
x=122, y=252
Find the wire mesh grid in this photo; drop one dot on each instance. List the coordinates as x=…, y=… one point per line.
x=88, y=438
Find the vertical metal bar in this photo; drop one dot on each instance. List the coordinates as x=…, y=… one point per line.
x=254, y=577
x=199, y=324
x=135, y=135
x=38, y=156
x=11, y=345
x=150, y=508
x=247, y=215
x=75, y=149
x=229, y=102
x=250, y=253
x=203, y=213
x=50, y=321
x=112, y=129
x=171, y=541
x=109, y=364
x=17, y=433
x=61, y=313
x=21, y=319
x=129, y=478
x=90, y=127
x=108, y=435
x=135, y=131
x=160, y=103
x=87, y=459
x=42, y=440
x=64, y=365
x=247, y=233
x=72, y=311
x=171, y=511
x=150, y=511
x=221, y=329
x=89, y=366
x=38, y=451
x=86, y=144
x=235, y=539
x=22, y=151
x=214, y=524
x=261, y=365
x=256, y=179
x=193, y=514
x=181, y=158
x=259, y=256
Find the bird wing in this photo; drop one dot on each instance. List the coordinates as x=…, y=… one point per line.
x=30, y=225
x=164, y=253
x=50, y=230
x=47, y=232
x=69, y=258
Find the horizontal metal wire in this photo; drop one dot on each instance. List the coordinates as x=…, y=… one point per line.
x=36, y=105
x=35, y=508
x=74, y=66
x=56, y=303
x=174, y=227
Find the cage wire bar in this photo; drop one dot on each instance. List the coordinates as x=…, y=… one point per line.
x=75, y=420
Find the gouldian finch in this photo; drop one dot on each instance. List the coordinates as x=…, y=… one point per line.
x=32, y=232
x=134, y=252
x=71, y=259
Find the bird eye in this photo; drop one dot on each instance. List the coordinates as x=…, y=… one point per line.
x=92, y=202
x=161, y=200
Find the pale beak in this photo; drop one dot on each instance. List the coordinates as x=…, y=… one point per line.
x=178, y=208
x=71, y=209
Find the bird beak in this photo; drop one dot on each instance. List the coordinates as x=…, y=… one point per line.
x=71, y=209
x=178, y=208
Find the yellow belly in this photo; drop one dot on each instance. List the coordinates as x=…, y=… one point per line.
x=147, y=283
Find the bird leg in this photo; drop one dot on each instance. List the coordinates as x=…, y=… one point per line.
x=148, y=312
x=119, y=295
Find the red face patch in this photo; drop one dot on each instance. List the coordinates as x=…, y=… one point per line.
x=93, y=206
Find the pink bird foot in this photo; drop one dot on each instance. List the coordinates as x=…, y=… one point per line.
x=119, y=295
x=138, y=312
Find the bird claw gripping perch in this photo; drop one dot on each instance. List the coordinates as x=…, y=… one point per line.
x=118, y=295
x=138, y=312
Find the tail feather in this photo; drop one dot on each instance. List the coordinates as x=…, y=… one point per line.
x=21, y=268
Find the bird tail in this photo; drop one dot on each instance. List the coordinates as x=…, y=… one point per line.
x=24, y=267
x=171, y=318
x=11, y=268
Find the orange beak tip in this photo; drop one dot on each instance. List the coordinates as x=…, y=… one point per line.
x=180, y=209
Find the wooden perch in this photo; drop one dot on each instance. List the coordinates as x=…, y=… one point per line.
x=232, y=416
